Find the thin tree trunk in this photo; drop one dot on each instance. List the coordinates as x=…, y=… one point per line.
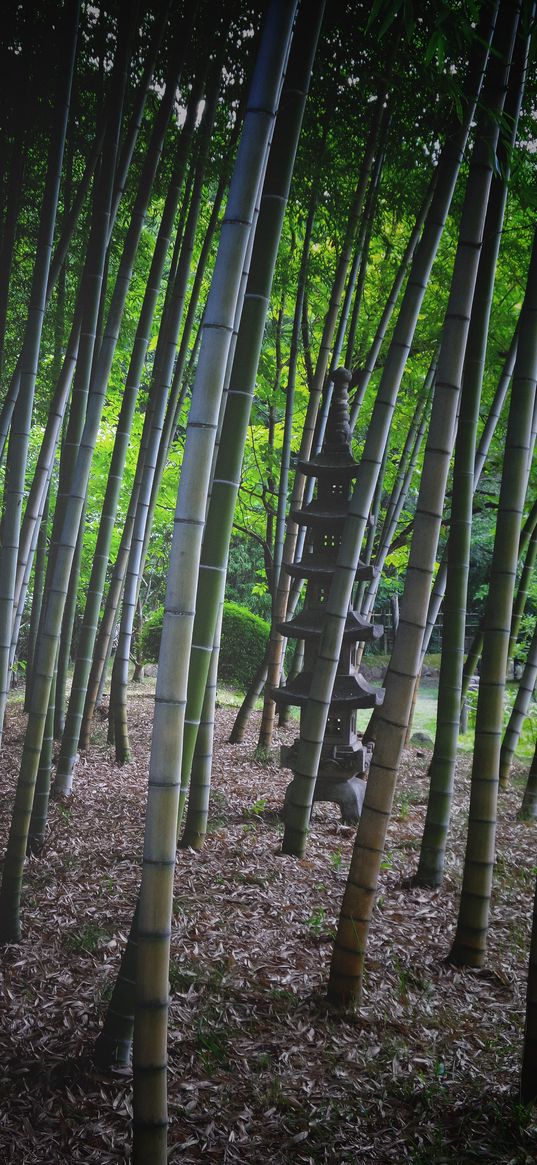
x=469, y=945
x=22, y=416
x=299, y=799
x=150, y=1029
x=528, y=808
x=519, y=711
x=443, y=763
x=227, y=473
x=88, y=631
x=10, y=893
x=315, y=395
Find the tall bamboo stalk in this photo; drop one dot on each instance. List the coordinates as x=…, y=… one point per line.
x=150, y=1100
x=346, y=971
x=519, y=711
x=10, y=892
x=443, y=763
x=22, y=416
x=314, y=716
x=88, y=631
x=469, y=945
x=227, y=473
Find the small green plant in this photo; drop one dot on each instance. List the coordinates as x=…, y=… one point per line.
x=212, y=1046
x=387, y=861
x=257, y=808
x=317, y=923
x=336, y=860
x=87, y=941
x=403, y=809
x=106, y=885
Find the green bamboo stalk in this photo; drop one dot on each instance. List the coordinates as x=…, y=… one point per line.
x=10, y=892
x=519, y=711
x=22, y=415
x=38, y=820
x=227, y=473
x=201, y=768
x=314, y=716
x=443, y=763
x=70, y=739
x=528, y=808
x=113, y=1046
x=526, y=576
x=528, y=1075
x=150, y=1102
x=469, y=945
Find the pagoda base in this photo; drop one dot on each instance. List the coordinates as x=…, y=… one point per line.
x=347, y=793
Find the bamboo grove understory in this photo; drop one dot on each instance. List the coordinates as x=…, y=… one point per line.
x=205, y=216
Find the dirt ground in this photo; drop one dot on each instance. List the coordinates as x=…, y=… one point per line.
x=259, y=1068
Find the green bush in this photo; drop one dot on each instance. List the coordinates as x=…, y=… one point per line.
x=242, y=646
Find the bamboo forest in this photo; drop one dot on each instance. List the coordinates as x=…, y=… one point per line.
x=268, y=597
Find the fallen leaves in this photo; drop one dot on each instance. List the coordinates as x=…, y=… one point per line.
x=260, y=1068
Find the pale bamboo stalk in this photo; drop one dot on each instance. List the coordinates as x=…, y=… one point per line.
x=150, y=1029
x=227, y=473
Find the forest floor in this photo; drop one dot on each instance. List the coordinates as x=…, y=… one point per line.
x=259, y=1068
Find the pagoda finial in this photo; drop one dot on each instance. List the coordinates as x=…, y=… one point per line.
x=338, y=430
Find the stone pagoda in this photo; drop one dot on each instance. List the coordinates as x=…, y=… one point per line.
x=344, y=758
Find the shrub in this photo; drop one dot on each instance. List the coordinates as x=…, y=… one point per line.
x=242, y=646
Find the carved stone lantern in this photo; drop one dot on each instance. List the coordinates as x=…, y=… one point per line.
x=344, y=758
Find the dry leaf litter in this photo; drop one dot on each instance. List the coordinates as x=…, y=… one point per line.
x=259, y=1068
